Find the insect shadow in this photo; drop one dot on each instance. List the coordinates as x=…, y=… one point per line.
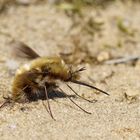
x=52, y=94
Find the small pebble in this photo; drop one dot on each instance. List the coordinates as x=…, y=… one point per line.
x=102, y=56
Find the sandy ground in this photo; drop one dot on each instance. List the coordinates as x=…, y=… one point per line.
x=46, y=29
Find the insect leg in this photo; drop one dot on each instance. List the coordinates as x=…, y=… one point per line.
x=91, y=101
x=45, y=106
x=8, y=99
x=21, y=91
x=74, y=102
x=50, y=112
x=3, y=104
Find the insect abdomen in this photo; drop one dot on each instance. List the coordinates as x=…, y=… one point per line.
x=19, y=83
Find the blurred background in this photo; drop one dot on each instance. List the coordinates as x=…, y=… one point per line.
x=81, y=31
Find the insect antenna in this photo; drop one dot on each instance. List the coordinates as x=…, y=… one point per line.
x=49, y=108
x=87, y=85
x=81, y=69
x=77, y=71
x=74, y=102
x=78, y=94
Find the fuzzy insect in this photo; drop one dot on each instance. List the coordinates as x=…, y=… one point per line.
x=38, y=77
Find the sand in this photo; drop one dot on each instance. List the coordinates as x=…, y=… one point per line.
x=46, y=29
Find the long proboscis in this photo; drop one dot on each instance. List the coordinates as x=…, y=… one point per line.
x=88, y=85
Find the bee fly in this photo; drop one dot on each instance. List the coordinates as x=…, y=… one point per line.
x=40, y=75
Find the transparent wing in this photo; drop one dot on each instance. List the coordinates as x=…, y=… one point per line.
x=22, y=50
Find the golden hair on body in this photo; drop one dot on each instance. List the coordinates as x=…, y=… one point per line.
x=35, y=79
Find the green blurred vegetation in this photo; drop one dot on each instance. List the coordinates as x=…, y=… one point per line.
x=76, y=6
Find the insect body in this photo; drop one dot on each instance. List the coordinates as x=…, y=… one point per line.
x=35, y=79
x=33, y=73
